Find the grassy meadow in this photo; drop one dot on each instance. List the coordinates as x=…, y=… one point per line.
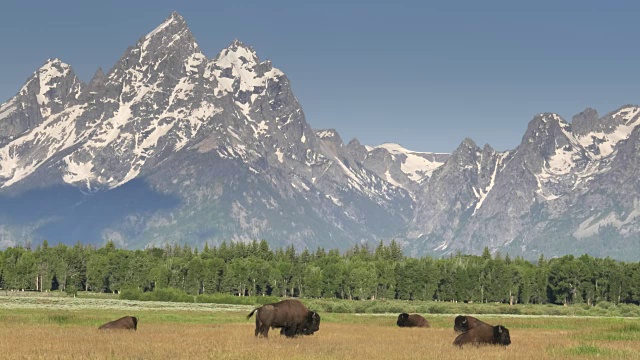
x=66, y=328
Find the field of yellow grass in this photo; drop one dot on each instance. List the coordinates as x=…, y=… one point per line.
x=179, y=334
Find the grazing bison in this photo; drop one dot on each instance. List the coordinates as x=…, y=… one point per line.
x=484, y=334
x=124, y=323
x=465, y=323
x=289, y=314
x=413, y=320
x=299, y=331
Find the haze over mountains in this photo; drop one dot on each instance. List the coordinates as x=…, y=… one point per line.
x=171, y=146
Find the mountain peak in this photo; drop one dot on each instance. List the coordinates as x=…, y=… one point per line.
x=172, y=38
x=174, y=22
x=546, y=122
x=237, y=53
x=54, y=63
x=469, y=143
x=173, y=32
x=585, y=122
x=97, y=79
x=174, y=16
x=236, y=44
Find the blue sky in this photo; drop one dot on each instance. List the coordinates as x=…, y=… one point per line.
x=422, y=74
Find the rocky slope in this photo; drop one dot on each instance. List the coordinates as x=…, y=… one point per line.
x=172, y=146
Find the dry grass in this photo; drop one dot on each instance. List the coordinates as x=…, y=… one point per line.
x=230, y=336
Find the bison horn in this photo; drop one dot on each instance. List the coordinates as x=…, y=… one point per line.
x=500, y=329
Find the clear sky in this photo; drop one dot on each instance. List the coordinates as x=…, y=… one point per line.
x=422, y=74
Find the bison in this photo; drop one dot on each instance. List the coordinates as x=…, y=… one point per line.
x=289, y=314
x=484, y=334
x=413, y=320
x=465, y=323
x=124, y=323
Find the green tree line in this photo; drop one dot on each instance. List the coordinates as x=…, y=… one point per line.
x=362, y=272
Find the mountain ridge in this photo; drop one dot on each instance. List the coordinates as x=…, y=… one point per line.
x=222, y=151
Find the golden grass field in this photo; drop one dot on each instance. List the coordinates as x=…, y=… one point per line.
x=177, y=334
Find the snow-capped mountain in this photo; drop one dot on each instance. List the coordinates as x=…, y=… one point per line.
x=172, y=146
x=567, y=188
x=219, y=147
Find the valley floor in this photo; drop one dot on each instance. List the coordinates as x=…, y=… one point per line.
x=217, y=332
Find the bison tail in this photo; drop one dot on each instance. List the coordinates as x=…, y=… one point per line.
x=251, y=313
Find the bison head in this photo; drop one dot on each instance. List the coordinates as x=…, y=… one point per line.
x=501, y=335
x=312, y=323
x=461, y=324
x=403, y=319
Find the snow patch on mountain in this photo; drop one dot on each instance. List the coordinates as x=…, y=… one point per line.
x=20, y=158
x=482, y=194
x=238, y=63
x=78, y=172
x=416, y=165
x=603, y=143
x=390, y=179
x=324, y=134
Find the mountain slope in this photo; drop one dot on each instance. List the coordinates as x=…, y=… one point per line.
x=172, y=146
x=224, y=139
x=564, y=189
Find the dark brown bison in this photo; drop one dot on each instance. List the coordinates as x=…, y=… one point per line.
x=484, y=334
x=413, y=320
x=124, y=323
x=466, y=323
x=289, y=314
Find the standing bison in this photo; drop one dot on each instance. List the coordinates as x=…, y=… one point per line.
x=124, y=323
x=465, y=323
x=289, y=314
x=413, y=320
x=484, y=334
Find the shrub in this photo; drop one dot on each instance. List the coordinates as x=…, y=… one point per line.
x=437, y=309
x=130, y=294
x=236, y=300
x=604, y=305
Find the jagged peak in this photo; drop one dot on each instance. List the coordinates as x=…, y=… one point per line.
x=175, y=16
x=544, y=123
x=550, y=129
x=354, y=142
x=585, y=122
x=548, y=117
x=52, y=69
x=99, y=73
x=98, y=78
x=173, y=21
x=54, y=63
x=468, y=142
x=172, y=33
x=488, y=149
x=587, y=112
x=237, y=53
